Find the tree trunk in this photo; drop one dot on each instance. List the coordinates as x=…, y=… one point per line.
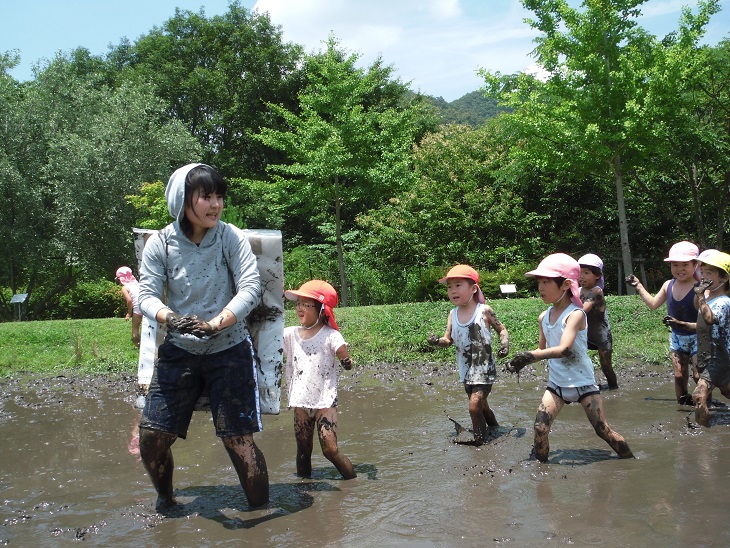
x=338, y=238
x=622, y=223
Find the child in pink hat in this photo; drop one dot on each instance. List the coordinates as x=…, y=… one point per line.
x=310, y=350
x=130, y=291
x=468, y=327
x=564, y=343
x=678, y=293
x=600, y=337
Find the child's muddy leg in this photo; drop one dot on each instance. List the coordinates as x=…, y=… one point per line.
x=327, y=432
x=304, y=434
x=593, y=406
x=699, y=397
x=605, y=357
x=680, y=364
x=481, y=414
x=548, y=409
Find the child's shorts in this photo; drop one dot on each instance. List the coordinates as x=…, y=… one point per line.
x=571, y=394
x=683, y=343
x=471, y=388
x=180, y=378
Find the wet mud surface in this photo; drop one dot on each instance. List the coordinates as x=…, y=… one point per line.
x=69, y=471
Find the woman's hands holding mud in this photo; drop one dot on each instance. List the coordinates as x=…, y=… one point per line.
x=189, y=325
x=631, y=280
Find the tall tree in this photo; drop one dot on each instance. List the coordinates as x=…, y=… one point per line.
x=77, y=148
x=586, y=118
x=215, y=74
x=348, y=145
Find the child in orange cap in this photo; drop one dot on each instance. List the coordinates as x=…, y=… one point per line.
x=713, y=331
x=564, y=343
x=468, y=326
x=678, y=293
x=311, y=374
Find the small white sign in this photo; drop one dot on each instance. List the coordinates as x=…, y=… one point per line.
x=508, y=288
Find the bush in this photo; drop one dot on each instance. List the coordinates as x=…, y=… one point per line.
x=91, y=299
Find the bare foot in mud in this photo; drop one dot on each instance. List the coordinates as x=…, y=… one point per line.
x=165, y=504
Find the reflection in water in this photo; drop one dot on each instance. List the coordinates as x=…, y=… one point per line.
x=69, y=470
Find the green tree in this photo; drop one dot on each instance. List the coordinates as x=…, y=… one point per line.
x=348, y=145
x=587, y=118
x=215, y=74
x=77, y=149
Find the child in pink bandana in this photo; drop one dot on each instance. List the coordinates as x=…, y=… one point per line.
x=310, y=350
x=564, y=343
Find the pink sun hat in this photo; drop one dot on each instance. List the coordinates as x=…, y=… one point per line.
x=124, y=274
x=465, y=271
x=560, y=265
x=682, y=252
x=591, y=259
x=320, y=291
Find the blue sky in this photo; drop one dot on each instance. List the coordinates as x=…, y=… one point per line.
x=436, y=45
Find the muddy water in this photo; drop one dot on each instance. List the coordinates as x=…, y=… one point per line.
x=68, y=473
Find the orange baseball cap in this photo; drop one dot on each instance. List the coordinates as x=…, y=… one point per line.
x=465, y=271
x=320, y=291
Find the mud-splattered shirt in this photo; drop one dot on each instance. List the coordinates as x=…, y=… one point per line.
x=599, y=330
x=311, y=373
x=713, y=351
x=577, y=369
x=473, y=342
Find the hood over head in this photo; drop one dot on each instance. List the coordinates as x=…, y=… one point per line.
x=175, y=191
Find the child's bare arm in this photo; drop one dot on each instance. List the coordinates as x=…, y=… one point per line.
x=344, y=356
x=652, y=301
x=445, y=341
x=490, y=317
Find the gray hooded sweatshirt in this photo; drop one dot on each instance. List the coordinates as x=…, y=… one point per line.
x=221, y=272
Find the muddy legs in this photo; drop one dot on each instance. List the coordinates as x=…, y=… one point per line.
x=605, y=357
x=249, y=462
x=593, y=406
x=154, y=449
x=325, y=421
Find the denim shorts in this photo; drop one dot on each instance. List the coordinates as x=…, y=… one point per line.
x=228, y=377
x=683, y=343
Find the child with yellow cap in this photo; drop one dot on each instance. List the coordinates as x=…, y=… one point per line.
x=713, y=331
x=468, y=327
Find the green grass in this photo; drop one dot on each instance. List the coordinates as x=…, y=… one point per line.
x=376, y=334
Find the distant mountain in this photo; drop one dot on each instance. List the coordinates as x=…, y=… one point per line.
x=473, y=109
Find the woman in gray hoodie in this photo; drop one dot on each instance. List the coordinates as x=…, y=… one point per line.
x=208, y=275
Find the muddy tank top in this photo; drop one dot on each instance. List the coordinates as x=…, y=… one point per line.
x=683, y=309
x=473, y=342
x=573, y=371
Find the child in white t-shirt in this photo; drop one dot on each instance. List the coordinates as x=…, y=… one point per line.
x=311, y=374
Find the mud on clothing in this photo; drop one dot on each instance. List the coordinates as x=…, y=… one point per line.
x=180, y=378
x=713, y=360
x=311, y=372
x=599, y=330
x=683, y=310
x=473, y=341
x=573, y=371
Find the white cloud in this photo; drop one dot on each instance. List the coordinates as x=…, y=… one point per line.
x=437, y=45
